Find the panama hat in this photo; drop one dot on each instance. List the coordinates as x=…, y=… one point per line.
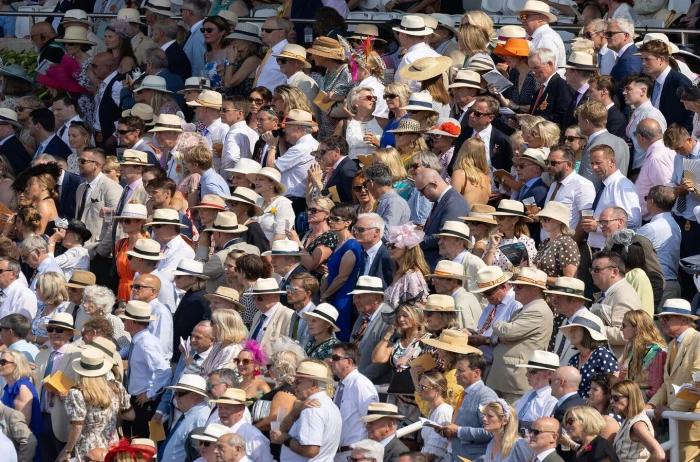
x=455, y=229
x=481, y=213
x=581, y=60
x=75, y=15
x=407, y=125
x=166, y=217
x=376, y=411
x=196, y=83
x=452, y=340
x=243, y=195
x=536, y=156
x=9, y=116
x=535, y=6
x=229, y=16
x=480, y=64
x=15, y=70
x=167, y=123
x=368, y=285
x=191, y=382
x=139, y=311
x=246, y=31
x=489, y=277
x=530, y=276
x=147, y=249
x=466, y=79
x=447, y=269
x=134, y=157
x=446, y=126
x=80, y=279
x=92, y=363
x=295, y=52
x=144, y=444
x=425, y=68
x=161, y=7
x=420, y=101
x=245, y=166
x=231, y=396
x=211, y=201
x=445, y=21
x=130, y=15
x=133, y=211
x=364, y=31
x=283, y=247
x=325, y=312
x=583, y=45
x=106, y=345
x=75, y=34
x=327, y=47
x=62, y=320
x=228, y=294
x=556, y=211
x=207, y=98
x=142, y=111
x=545, y=360
x=153, y=82
x=511, y=208
x=440, y=303
x=190, y=267
x=212, y=432
x=510, y=31
x=568, y=287
x=677, y=307
x=266, y=286
x=313, y=370
x=227, y=222
x=299, y=117
x=429, y=20
x=413, y=25
x=648, y=37
x=272, y=174
x=513, y=47
x=593, y=325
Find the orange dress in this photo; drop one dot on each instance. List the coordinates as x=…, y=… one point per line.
x=126, y=275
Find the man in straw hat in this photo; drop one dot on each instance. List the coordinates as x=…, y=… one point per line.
x=465, y=87
x=535, y=17
x=315, y=431
x=538, y=401
x=11, y=148
x=146, y=288
x=295, y=163
x=207, y=110
x=448, y=279
x=530, y=166
x=382, y=421
x=231, y=406
x=292, y=62
x=76, y=285
x=413, y=37
x=527, y=330
x=148, y=372
x=143, y=259
x=454, y=243
x=286, y=262
x=167, y=230
x=272, y=318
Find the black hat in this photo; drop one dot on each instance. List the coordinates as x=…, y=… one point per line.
x=52, y=168
x=79, y=228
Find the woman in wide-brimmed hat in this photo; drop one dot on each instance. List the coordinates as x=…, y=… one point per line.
x=321, y=325
x=409, y=139
x=15, y=83
x=519, y=97
x=558, y=254
x=248, y=205
x=431, y=73
x=278, y=215
x=512, y=226
x=244, y=54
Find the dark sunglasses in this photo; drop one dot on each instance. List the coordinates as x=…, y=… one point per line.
x=207, y=30
x=360, y=229
x=390, y=96
x=124, y=132
x=611, y=34
x=370, y=98
x=4, y=362
x=359, y=188
x=206, y=444
x=554, y=163
x=21, y=108
x=242, y=362
x=267, y=31
x=256, y=100
x=571, y=139
x=282, y=60
x=55, y=330
x=338, y=357
x=335, y=219
x=86, y=161
x=314, y=210
x=537, y=431
x=478, y=113
x=139, y=287
x=616, y=398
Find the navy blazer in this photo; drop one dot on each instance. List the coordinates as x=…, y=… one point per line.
x=16, y=155
x=617, y=122
x=464, y=135
x=284, y=281
x=178, y=62
x=571, y=401
x=382, y=266
x=554, y=102
x=570, y=116
x=674, y=112
x=192, y=309
x=450, y=207
x=538, y=191
x=58, y=148
x=341, y=178
x=501, y=150
x=69, y=187
x=627, y=64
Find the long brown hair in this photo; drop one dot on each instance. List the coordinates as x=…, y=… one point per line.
x=437, y=89
x=645, y=335
x=413, y=259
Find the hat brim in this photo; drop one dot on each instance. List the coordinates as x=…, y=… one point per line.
x=251, y=178
x=480, y=220
x=314, y=377
x=507, y=276
x=410, y=107
x=134, y=253
x=328, y=321
x=404, y=130
x=237, y=304
x=307, y=65
x=418, y=33
x=239, y=229
x=197, y=104
x=668, y=313
x=186, y=89
x=566, y=294
x=80, y=370
x=185, y=273
x=267, y=292
x=366, y=291
x=76, y=41
x=595, y=335
x=127, y=217
x=133, y=162
x=323, y=54
x=540, y=367
x=258, y=209
x=167, y=14
x=167, y=223
x=6, y=72
x=73, y=285
x=375, y=417
x=151, y=88
x=437, y=67
x=441, y=133
x=463, y=350
x=464, y=85
x=552, y=216
x=188, y=388
x=209, y=206
x=229, y=401
x=61, y=325
x=247, y=38
x=5, y=120
x=512, y=214
x=446, y=276
x=528, y=283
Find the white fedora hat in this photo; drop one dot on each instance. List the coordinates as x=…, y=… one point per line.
x=376, y=411
x=266, y=286
x=272, y=174
x=61, y=320
x=166, y=217
x=536, y=156
x=312, y=370
x=243, y=195
x=191, y=382
x=231, y=396
x=456, y=229
x=452, y=340
x=131, y=15
x=294, y=51
x=325, y=312
x=368, y=285
x=153, y=82
x=530, y=276
x=556, y=211
x=190, y=267
x=75, y=34
x=134, y=157
x=447, y=269
x=148, y=249
x=167, y=123
x=420, y=101
x=211, y=201
x=594, y=326
x=568, y=287
x=541, y=359
x=75, y=15
x=283, y=247
x=677, y=307
x=648, y=37
x=445, y=21
x=8, y=116
x=246, y=31
x=92, y=363
x=161, y=7
x=490, y=277
x=196, y=84
x=245, y=166
x=142, y=111
x=413, y=25
x=535, y=6
x=581, y=60
x=228, y=294
x=139, y=311
x=133, y=211
x=212, y=432
x=511, y=208
x=441, y=304
x=227, y=222
x=207, y=98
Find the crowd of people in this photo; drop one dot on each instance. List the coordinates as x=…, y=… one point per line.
x=415, y=242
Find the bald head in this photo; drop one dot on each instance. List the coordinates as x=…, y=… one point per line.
x=146, y=287
x=41, y=33
x=103, y=64
x=565, y=380
x=430, y=183
x=648, y=132
x=544, y=434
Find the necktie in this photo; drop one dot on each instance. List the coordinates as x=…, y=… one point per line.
x=597, y=196
x=489, y=321
x=122, y=201
x=430, y=217
x=338, y=398
x=47, y=372
x=556, y=190
x=2, y=295
x=83, y=199
x=256, y=331
x=196, y=357
x=656, y=95
x=357, y=336
x=562, y=341
x=523, y=409
x=262, y=66
x=61, y=131
x=540, y=93
x=672, y=354
x=365, y=255
x=295, y=325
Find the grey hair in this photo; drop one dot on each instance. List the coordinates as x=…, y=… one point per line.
x=597, y=25
x=228, y=376
x=101, y=296
x=233, y=440
x=545, y=55
x=12, y=265
x=44, y=159
x=428, y=159
x=375, y=219
x=624, y=24
x=168, y=28
x=370, y=449
x=157, y=58
x=354, y=94
x=33, y=243
x=379, y=173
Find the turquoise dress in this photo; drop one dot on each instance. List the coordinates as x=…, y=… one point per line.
x=341, y=299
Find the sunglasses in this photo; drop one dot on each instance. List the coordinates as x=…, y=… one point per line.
x=360, y=229
x=55, y=330
x=4, y=362
x=256, y=100
x=206, y=444
x=537, y=431
x=314, y=210
x=242, y=362
x=338, y=357
x=571, y=139
x=616, y=398
x=370, y=98
x=86, y=161
x=207, y=30
x=554, y=163
x=282, y=60
x=267, y=31
x=611, y=34
x=478, y=113
x=359, y=188
x=124, y=132
x=335, y=219
x=139, y=287
x=390, y=96
x=587, y=35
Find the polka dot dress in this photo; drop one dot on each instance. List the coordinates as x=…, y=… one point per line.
x=602, y=361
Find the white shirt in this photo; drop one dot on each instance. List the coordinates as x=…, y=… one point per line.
x=618, y=191
x=485, y=136
x=73, y=259
x=646, y=110
x=417, y=51
x=371, y=254
x=606, y=59
x=216, y=133
x=166, y=45
x=168, y=292
x=577, y=192
x=358, y=392
x=162, y=328
x=257, y=447
x=18, y=298
x=316, y=426
x=294, y=165
x=116, y=92
x=270, y=75
x=46, y=266
x=540, y=406
x=173, y=252
x=546, y=37
x=239, y=142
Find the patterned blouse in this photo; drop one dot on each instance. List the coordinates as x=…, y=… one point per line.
x=502, y=261
x=328, y=239
x=338, y=82
x=601, y=361
x=321, y=351
x=525, y=95
x=406, y=287
x=554, y=255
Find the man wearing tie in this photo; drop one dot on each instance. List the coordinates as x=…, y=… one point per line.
x=463, y=91
x=333, y=156
x=272, y=319
x=301, y=289
x=553, y=96
x=538, y=402
x=368, y=231
x=274, y=32
x=580, y=67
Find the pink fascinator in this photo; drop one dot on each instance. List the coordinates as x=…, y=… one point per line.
x=119, y=27
x=405, y=236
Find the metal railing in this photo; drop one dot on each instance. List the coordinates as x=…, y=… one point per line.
x=672, y=446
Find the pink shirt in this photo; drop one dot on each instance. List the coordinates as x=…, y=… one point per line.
x=657, y=169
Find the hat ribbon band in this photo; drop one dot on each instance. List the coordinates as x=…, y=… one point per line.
x=157, y=7
x=515, y=212
x=91, y=367
x=242, y=32
x=456, y=233
x=284, y=252
x=445, y=273
x=670, y=309
x=158, y=124
x=567, y=290
x=7, y=119
x=323, y=315
x=59, y=324
x=472, y=82
x=498, y=281
x=375, y=289
x=196, y=87
x=327, y=49
x=188, y=271
x=166, y=221
x=586, y=322
x=529, y=280
x=386, y=413
x=412, y=28
x=100, y=347
x=136, y=316
x=146, y=252
x=538, y=364
x=420, y=103
x=131, y=159
x=290, y=55
x=226, y=228
x=78, y=283
x=243, y=198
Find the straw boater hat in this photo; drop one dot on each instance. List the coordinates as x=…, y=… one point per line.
x=191, y=382
x=75, y=15
x=452, y=340
x=246, y=31
x=139, y=311
x=161, y=7
x=61, y=320
x=363, y=31
x=266, y=286
x=447, y=269
x=283, y=247
x=455, y=229
x=227, y=222
x=446, y=126
x=490, y=277
x=513, y=47
x=368, y=285
x=153, y=82
x=545, y=360
x=133, y=211
x=420, y=101
x=510, y=31
x=413, y=25
x=231, y=396
x=407, y=125
x=226, y=293
x=648, y=37
x=167, y=123
x=130, y=15
x=92, y=363
x=594, y=326
x=556, y=211
x=425, y=68
x=568, y=287
x=211, y=201
x=166, y=217
x=196, y=84
x=245, y=166
x=376, y=411
x=314, y=371
x=535, y=6
x=9, y=116
x=75, y=34
x=190, y=267
x=536, y=156
x=481, y=213
x=229, y=16
x=207, y=98
x=511, y=208
x=327, y=47
x=212, y=432
x=581, y=61
x=243, y=195
x=480, y=64
x=295, y=52
x=440, y=304
x=677, y=307
x=134, y=157
x=325, y=312
x=147, y=249
x=530, y=276
x=299, y=117
x=142, y=111
x=272, y=174
x=80, y=279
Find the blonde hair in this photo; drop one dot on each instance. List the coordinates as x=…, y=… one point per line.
x=373, y=63
x=199, y=155
x=285, y=363
x=415, y=147
x=591, y=421
x=594, y=112
x=93, y=389
x=645, y=334
x=230, y=326
x=326, y=203
x=472, y=160
x=401, y=89
x=22, y=368
x=437, y=89
x=415, y=314
x=52, y=287
x=635, y=398
x=548, y=132
x=391, y=158
x=527, y=122
x=111, y=163
x=510, y=429
x=437, y=380
x=476, y=36
x=293, y=98
x=413, y=259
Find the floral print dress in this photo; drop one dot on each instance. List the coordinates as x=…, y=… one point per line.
x=406, y=287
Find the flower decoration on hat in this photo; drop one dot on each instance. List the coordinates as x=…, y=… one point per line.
x=405, y=236
x=364, y=56
x=624, y=237
x=450, y=128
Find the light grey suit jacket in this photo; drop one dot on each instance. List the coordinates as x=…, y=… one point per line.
x=105, y=194
x=468, y=306
x=276, y=327
x=377, y=327
x=618, y=300
x=14, y=426
x=622, y=156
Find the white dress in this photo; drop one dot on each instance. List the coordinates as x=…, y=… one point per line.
x=354, y=135
x=433, y=442
x=272, y=221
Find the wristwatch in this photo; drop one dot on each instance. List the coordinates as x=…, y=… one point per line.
x=287, y=440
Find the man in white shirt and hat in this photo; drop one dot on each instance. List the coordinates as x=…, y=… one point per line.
x=167, y=232
x=535, y=17
x=143, y=259
x=454, y=243
x=448, y=279
x=294, y=164
x=272, y=319
x=292, y=62
x=146, y=288
x=413, y=35
x=538, y=402
x=207, y=108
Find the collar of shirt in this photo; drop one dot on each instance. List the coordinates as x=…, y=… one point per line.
x=443, y=194
x=352, y=375
x=485, y=134
x=108, y=79
x=594, y=134
x=680, y=338
x=309, y=306
x=624, y=48
x=271, y=312
x=614, y=177
x=662, y=216
x=583, y=89
x=138, y=336
x=471, y=387
x=561, y=400
x=166, y=45
x=546, y=82
x=540, y=31
x=48, y=261
x=2, y=141
x=609, y=106
x=46, y=142
x=646, y=104
x=286, y=276
x=387, y=440
x=418, y=46
x=543, y=455
x=278, y=47
x=204, y=354
x=61, y=177
x=307, y=139
x=546, y=390
x=337, y=162
x=372, y=251
x=662, y=77
x=135, y=185
x=196, y=26
x=578, y=312
x=461, y=256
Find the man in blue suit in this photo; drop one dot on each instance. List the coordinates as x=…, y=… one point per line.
x=620, y=36
x=530, y=167
x=368, y=231
x=448, y=205
x=164, y=34
x=42, y=127
x=193, y=14
x=333, y=157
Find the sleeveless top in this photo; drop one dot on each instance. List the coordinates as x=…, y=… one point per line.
x=628, y=450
